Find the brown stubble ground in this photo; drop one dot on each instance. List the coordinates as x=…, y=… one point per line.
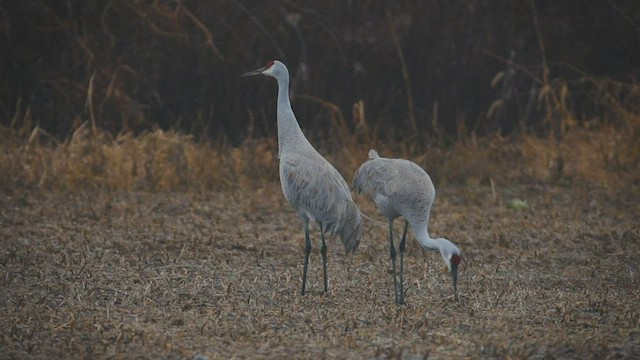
x=101, y=274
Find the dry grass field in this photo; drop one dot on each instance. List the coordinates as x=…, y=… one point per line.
x=171, y=269
x=141, y=215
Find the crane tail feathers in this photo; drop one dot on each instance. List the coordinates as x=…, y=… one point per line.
x=373, y=154
x=351, y=230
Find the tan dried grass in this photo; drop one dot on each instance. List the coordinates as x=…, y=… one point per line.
x=157, y=160
x=166, y=247
x=216, y=274
x=168, y=160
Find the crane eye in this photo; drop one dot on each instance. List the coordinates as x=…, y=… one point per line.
x=455, y=259
x=270, y=64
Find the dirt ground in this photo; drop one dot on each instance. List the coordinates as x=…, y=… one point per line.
x=548, y=272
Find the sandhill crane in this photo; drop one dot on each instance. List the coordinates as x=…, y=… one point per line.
x=402, y=188
x=314, y=188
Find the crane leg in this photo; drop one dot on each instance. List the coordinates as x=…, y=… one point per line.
x=307, y=251
x=392, y=251
x=323, y=251
x=402, y=247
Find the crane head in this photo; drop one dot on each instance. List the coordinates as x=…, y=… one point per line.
x=269, y=69
x=451, y=255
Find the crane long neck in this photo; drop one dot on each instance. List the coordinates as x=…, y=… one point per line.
x=289, y=133
x=422, y=235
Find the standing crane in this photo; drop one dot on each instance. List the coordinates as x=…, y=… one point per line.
x=314, y=188
x=402, y=188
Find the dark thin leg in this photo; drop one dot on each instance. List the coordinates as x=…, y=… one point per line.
x=392, y=250
x=307, y=251
x=323, y=251
x=402, y=241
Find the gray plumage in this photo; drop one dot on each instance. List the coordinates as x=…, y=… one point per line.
x=402, y=188
x=319, y=193
x=314, y=188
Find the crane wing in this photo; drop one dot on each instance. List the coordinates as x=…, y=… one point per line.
x=394, y=184
x=318, y=192
x=375, y=177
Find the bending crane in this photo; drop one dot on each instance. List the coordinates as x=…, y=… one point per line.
x=402, y=188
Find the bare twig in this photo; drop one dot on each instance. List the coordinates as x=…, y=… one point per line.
x=549, y=95
x=261, y=27
x=89, y=104
x=625, y=16
x=533, y=76
x=405, y=75
x=202, y=28
x=499, y=297
x=341, y=123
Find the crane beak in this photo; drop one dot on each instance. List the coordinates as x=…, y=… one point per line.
x=257, y=71
x=454, y=277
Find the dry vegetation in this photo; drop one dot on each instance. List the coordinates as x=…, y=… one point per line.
x=122, y=240
x=150, y=246
x=158, y=245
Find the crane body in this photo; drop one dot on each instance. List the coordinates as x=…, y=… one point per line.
x=402, y=188
x=313, y=187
